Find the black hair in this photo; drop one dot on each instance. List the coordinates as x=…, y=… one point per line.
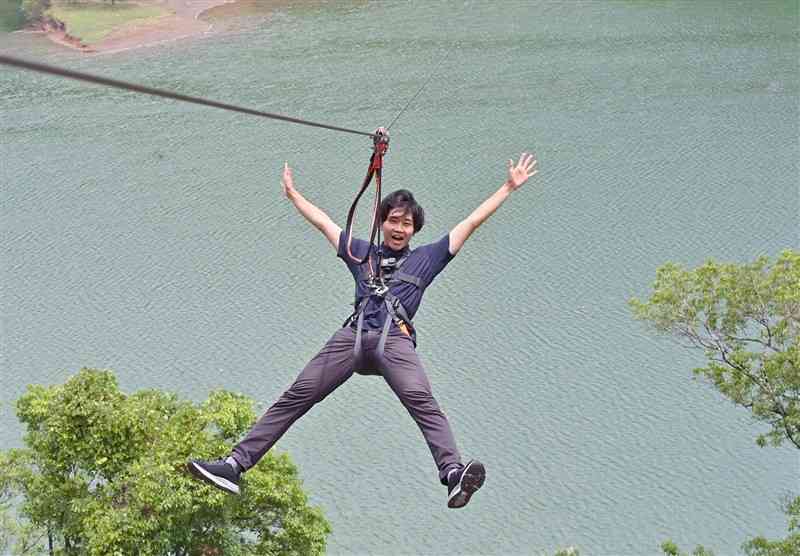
x=403, y=199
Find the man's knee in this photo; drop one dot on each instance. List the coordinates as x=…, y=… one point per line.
x=419, y=399
x=303, y=391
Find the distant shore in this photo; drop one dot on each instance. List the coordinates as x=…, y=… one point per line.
x=181, y=20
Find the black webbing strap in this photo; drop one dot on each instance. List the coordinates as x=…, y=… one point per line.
x=360, y=310
x=386, y=325
x=396, y=313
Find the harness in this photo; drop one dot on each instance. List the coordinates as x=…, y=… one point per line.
x=377, y=283
x=379, y=286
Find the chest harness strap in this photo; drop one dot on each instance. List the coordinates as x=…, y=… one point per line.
x=379, y=286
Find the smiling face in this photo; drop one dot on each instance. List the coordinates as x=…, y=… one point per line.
x=398, y=228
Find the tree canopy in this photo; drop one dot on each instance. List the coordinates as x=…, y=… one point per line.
x=746, y=319
x=104, y=473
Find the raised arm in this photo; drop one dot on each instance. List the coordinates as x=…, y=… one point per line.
x=517, y=175
x=310, y=212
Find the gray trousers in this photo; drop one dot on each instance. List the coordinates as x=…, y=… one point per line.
x=400, y=366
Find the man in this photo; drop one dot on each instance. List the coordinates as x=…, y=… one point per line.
x=379, y=337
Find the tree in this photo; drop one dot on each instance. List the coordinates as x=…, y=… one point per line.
x=746, y=319
x=104, y=473
x=759, y=546
x=671, y=549
x=790, y=546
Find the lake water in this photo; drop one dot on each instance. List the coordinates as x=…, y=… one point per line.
x=151, y=237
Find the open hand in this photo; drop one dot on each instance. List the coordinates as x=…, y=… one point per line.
x=287, y=181
x=520, y=172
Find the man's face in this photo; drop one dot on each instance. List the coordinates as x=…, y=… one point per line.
x=398, y=229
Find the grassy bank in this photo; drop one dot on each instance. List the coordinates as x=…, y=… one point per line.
x=93, y=21
x=10, y=15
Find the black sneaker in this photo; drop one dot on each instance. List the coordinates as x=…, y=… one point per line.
x=462, y=483
x=218, y=473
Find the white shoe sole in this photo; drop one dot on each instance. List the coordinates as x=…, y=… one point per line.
x=219, y=482
x=471, y=480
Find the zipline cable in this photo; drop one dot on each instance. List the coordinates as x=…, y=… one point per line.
x=380, y=137
x=380, y=146
x=80, y=76
x=430, y=76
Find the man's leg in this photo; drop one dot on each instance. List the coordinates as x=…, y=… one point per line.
x=323, y=374
x=330, y=368
x=403, y=371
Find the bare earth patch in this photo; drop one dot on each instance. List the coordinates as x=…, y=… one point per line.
x=183, y=23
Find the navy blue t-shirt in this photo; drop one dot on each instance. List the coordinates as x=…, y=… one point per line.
x=424, y=262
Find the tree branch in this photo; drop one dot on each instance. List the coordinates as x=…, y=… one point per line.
x=791, y=435
x=27, y=547
x=767, y=344
x=764, y=383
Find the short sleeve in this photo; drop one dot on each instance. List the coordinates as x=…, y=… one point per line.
x=438, y=255
x=358, y=247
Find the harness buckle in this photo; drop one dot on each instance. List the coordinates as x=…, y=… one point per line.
x=381, y=289
x=378, y=286
x=380, y=144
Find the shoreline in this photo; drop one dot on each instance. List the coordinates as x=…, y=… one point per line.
x=183, y=23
